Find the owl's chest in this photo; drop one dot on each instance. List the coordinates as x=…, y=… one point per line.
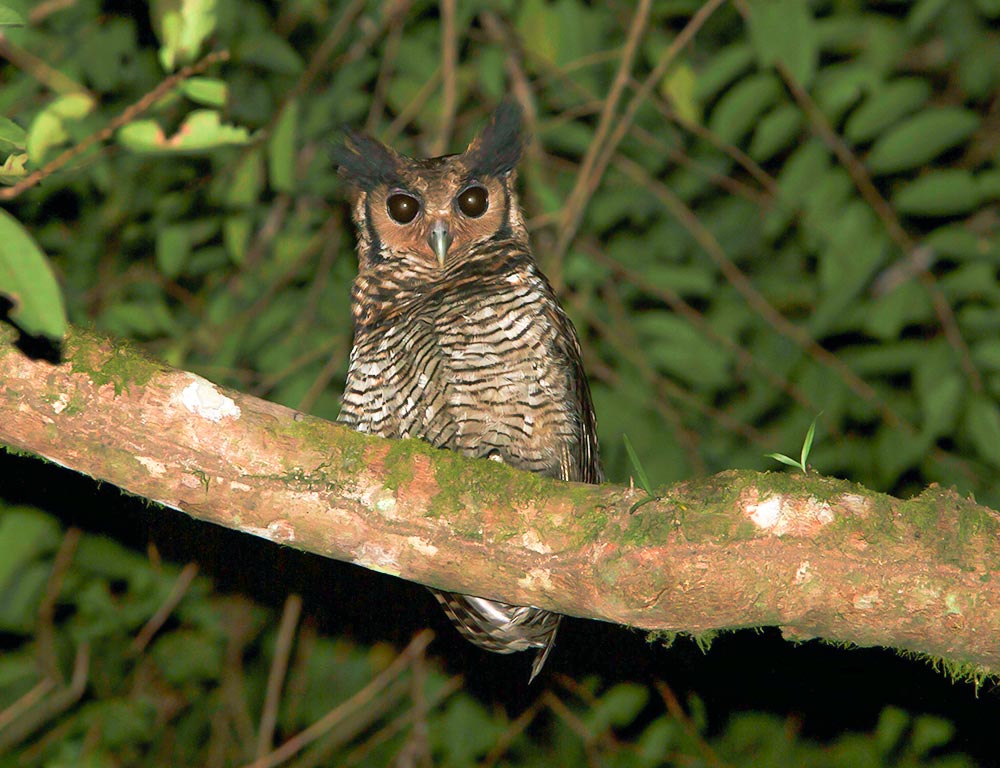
x=479, y=374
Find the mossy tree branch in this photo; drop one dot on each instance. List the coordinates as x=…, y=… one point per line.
x=816, y=556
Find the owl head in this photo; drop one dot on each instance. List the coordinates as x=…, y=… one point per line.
x=425, y=214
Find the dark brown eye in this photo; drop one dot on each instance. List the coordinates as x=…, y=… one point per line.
x=402, y=208
x=473, y=201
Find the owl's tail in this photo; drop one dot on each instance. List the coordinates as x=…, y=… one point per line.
x=502, y=628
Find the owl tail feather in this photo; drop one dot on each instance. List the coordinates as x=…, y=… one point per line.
x=502, y=628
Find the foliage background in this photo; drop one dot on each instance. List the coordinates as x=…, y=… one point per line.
x=755, y=212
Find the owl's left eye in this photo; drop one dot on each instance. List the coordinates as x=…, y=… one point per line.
x=402, y=208
x=473, y=201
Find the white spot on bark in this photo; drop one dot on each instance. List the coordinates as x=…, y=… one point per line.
x=152, y=466
x=766, y=513
x=386, y=504
x=867, y=601
x=422, y=546
x=803, y=573
x=278, y=531
x=784, y=515
x=531, y=541
x=236, y=485
x=60, y=403
x=377, y=558
x=202, y=398
x=537, y=578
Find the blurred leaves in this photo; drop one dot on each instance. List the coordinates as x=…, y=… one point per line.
x=818, y=232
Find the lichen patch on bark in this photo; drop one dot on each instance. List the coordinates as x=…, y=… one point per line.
x=786, y=515
x=201, y=398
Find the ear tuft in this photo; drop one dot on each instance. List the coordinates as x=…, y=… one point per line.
x=365, y=162
x=498, y=147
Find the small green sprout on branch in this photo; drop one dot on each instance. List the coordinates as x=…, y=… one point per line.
x=803, y=462
x=640, y=475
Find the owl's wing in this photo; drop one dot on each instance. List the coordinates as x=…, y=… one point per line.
x=585, y=465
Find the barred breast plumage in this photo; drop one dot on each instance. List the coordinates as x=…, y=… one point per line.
x=464, y=345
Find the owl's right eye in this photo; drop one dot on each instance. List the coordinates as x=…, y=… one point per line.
x=402, y=208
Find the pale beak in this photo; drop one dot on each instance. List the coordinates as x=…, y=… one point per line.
x=439, y=239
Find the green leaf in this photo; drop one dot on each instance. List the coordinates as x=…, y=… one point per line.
x=941, y=403
x=26, y=279
x=678, y=88
x=982, y=422
x=892, y=724
x=25, y=534
x=919, y=139
x=617, y=708
x=206, y=90
x=465, y=730
x=947, y=192
x=270, y=52
x=808, y=443
x=923, y=13
x=281, y=149
x=885, y=107
x=182, y=27
x=201, y=131
x=173, y=246
x=722, y=69
x=48, y=129
x=785, y=460
x=538, y=25
x=776, y=131
x=10, y=18
x=640, y=473
x=783, y=31
x=740, y=107
x=14, y=168
x=187, y=656
x=929, y=733
x=12, y=136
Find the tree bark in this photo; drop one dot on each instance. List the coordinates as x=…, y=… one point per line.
x=816, y=556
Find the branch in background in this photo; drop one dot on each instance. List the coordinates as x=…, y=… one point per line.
x=818, y=557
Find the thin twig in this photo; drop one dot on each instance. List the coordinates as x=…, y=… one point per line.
x=514, y=730
x=321, y=57
x=387, y=68
x=677, y=713
x=680, y=307
x=21, y=705
x=574, y=217
x=411, y=110
x=589, y=175
x=276, y=676
x=862, y=180
x=700, y=131
x=575, y=724
x=45, y=631
x=46, y=8
x=359, y=700
x=58, y=702
x=158, y=619
x=126, y=116
x=746, y=289
x=53, y=79
x=360, y=753
x=449, y=77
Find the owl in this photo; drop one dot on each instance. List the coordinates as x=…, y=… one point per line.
x=459, y=339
